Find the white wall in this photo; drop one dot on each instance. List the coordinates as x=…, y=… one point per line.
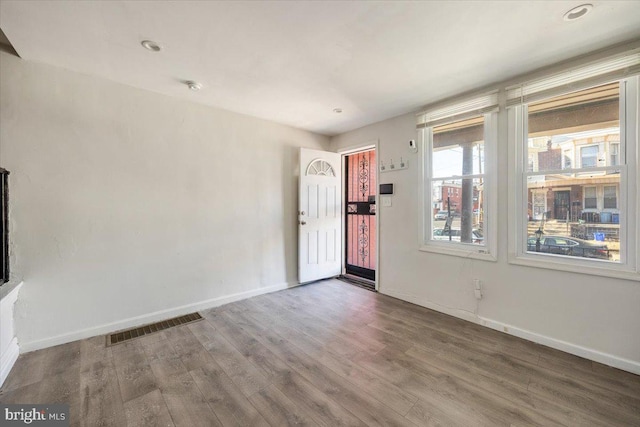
x=127, y=205
x=595, y=317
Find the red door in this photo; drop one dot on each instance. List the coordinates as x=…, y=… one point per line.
x=361, y=214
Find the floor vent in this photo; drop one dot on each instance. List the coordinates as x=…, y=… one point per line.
x=129, y=334
x=363, y=283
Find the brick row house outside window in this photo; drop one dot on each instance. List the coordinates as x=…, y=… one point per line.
x=573, y=161
x=595, y=197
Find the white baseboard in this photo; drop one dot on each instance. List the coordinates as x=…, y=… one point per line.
x=148, y=318
x=597, y=356
x=8, y=359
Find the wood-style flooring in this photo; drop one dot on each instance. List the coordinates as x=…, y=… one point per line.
x=325, y=354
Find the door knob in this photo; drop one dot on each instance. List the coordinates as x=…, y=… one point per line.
x=303, y=223
x=302, y=213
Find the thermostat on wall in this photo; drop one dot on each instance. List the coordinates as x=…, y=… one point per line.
x=386, y=188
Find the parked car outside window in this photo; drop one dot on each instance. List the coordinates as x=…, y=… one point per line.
x=441, y=215
x=571, y=246
x=441, y=234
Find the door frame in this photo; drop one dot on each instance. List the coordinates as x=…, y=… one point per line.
x=365, y=146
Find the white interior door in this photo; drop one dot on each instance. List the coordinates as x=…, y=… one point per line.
x=319, y=215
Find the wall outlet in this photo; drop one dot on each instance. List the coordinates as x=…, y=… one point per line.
x=477, y=288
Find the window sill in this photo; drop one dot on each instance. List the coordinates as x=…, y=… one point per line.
x=459, y=250
x=553, y=263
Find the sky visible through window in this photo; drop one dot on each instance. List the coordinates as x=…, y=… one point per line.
x=448, y=161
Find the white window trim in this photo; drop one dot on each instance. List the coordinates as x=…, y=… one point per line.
x=629, y=205
x=488, y=251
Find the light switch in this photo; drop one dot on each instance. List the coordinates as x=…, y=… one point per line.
x=386, y=201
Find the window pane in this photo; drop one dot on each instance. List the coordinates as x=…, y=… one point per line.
x=589, y=156
x=587, y=120
x=568, y=209
x=610, y=199
x=614, y=153
x=458, y=213
x=458, y=148
x=590, y=198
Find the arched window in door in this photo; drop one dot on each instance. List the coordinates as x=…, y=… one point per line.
x=320, y=167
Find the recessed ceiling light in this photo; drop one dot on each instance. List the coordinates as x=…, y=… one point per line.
x=337, y=110
x=194, y=86
x=151, y=45
x=577, y=12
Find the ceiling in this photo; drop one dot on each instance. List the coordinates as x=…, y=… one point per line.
x=294, y=62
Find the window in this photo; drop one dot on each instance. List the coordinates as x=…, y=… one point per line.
x=4, y=226
x=584, y=229
x=589, y=156
x=566, y=159
x=539, y=205
x=320, y=167
x=614, y=153
x=610, y=199
x=552, y=125
x=457, y=159
x=590, y=198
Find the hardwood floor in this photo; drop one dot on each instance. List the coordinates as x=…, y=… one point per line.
x=325, y=354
